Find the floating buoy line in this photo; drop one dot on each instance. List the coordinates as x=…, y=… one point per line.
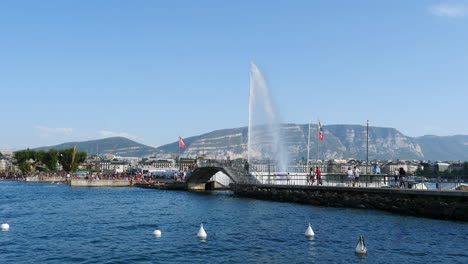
x=360, y=249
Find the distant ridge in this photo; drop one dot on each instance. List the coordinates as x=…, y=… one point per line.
x=448, y=147
x=341, y=141
x=119, y=146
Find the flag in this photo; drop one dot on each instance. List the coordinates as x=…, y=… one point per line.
x=182, y=143
x=320, y=131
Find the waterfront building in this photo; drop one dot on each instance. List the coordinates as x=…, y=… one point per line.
x=391, y=166
x=186, y=164
x=332, y=166
x=119, y=166
x=409, y=166
x=349, y=163
x=4, y=164
x=96, y=163
x=442, y=166
x=429, y=166
x=149, y=164
x=458, y=166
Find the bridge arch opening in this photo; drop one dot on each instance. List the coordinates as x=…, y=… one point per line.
x=206, y=178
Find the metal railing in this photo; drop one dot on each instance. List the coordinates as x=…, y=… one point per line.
x=364, y=181
x=255, y=174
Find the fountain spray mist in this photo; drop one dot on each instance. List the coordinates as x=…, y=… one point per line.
x=265, y=140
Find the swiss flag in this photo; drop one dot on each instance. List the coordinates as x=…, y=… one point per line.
x=320, y=130
x=182, y=143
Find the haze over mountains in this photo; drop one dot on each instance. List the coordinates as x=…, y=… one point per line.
x=341, y=141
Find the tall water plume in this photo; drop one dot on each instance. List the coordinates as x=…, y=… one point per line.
x=265, y=141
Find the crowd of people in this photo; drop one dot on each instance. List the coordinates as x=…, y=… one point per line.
x=314, y=175
x=20, y=176
x=353, y=176
x=400, y=178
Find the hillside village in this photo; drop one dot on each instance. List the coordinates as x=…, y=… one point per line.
x=161, y=164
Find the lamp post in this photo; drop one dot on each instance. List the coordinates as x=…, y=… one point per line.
x=367, y=151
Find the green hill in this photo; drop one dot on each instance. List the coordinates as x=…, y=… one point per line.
x=114, y=145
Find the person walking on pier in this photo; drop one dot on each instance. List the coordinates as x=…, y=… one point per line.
x=319, y=175
x=350, y=176
x=397, y=175
x=310, y=179
x=356, y=175
x=402, y=173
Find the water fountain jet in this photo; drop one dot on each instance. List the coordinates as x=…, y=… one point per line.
x=265, y=140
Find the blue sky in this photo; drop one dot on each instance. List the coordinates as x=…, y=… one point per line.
x=154, y=70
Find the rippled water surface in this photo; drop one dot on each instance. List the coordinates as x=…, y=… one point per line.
x=59, y=224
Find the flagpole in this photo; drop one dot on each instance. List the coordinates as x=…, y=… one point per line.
x=318, y=139
x=308, y=146
x=181, y=145
x=178, y=159
x=367, y=149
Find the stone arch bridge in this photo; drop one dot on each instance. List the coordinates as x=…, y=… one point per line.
x=201, y=176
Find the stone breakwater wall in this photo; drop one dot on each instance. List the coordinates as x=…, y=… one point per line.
x=45, y=179
x=449, y=205
x=100, y=183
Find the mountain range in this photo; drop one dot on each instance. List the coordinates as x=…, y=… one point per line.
x=341, y=141
x=118, y=146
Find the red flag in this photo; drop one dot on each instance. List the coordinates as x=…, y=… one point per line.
x=182, y=143
x=320, y=131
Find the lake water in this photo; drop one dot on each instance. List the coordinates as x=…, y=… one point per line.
x=59, y=224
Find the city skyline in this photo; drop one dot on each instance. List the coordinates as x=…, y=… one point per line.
x=153, y=71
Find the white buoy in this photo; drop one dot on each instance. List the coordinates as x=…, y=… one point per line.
x=201, y=233
x=157, y=233
x=5, y=227
x=309, y=233
x=361, y=246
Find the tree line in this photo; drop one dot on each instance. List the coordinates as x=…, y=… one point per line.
x=46, y=160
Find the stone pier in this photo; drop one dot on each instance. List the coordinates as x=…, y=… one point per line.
x=100, y=183
x=45, y=179
x=450, y=205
